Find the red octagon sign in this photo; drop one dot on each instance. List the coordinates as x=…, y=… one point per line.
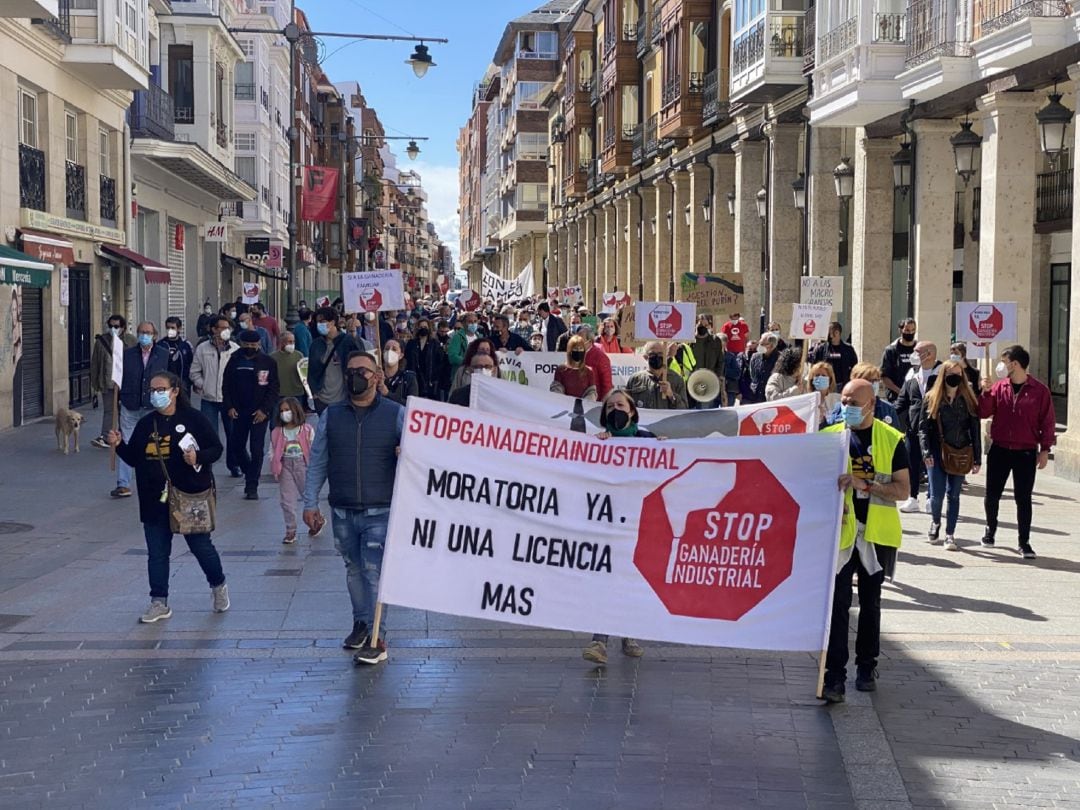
x=986, y=322
x=370, y=299
x=715, y=540
x=665, y=321
x=778, y=421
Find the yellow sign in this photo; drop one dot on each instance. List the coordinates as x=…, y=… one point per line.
x=42, y=221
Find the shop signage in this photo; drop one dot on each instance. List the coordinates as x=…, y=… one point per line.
x=41, y=221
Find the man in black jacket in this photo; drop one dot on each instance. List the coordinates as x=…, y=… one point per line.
x=249, y=397
x=503, y=338
x=838, y=354
x=554, y=325
x=920, y=379
x=180, y=352
x=326, y=359
x=141, y=362
x=895, y=363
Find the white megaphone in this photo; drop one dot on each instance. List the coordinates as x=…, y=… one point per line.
x=704, y=485
x=703, y=385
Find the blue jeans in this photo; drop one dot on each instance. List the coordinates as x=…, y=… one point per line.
x=128, y=421
x=215, y=412
x=360, y=539
x=943, y=485
x=159, y=537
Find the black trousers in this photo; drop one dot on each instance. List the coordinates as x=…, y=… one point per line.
x=999, y=464
x=247, y=444
x=868, y=634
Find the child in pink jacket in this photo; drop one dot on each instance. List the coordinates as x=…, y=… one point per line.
x=290, y=449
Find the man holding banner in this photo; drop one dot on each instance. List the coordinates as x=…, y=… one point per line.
x=870, y=535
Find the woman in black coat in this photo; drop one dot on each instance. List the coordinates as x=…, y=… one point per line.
x=425, y=357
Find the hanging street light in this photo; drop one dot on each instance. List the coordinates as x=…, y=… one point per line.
x=420, y=60
x=762, y=202
x=686, y=214
x=901, y=168
x=412, y=150
x=844, y=179
x=731, y=203
x=798, y=189
x=966, y=145
x=706, y=208
x=1053, y=120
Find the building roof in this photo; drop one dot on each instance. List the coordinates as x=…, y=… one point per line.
x=547, y=17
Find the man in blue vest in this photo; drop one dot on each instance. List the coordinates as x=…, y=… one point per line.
x=870, y=534
x=356, y=446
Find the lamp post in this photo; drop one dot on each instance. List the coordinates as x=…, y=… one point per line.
x=762, y=199
x=1053, y=120
x=420, y=60
x=731, y=204
x=966, y=146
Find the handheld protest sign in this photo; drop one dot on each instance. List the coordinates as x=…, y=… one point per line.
x=660, y=320
x=615, y=300
x=824, y=291
x=373, y=291
x=986, y=322
x=250, y=292
x=809, y=322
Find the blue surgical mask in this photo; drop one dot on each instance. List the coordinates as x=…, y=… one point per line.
x=160, y=399
x=853, y=415
x=115, y=330
x=323, y=328
x=821, y=383
x=471, y=328
x=145, y=340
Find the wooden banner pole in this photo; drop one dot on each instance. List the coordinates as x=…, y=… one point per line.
x=115, y=423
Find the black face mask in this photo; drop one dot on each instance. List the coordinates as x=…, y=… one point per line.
x=250, y=352
x=953, y=380
x=656, y=361
x=577, y=357
x=443, y=338
x=702, y=331
x=357, y=383
x=907, y=338
x=617, y=420
x=423, y=331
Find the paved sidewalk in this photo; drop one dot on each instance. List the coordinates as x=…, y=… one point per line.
x=978, y=704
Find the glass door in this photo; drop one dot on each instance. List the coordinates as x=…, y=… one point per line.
x=1059, y=337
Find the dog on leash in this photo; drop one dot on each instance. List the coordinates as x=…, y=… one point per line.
x=67, y=427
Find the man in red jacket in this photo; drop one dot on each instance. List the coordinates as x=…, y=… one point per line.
x=1022, y=433
x=598, y=359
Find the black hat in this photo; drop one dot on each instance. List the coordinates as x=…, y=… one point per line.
x=249, y=336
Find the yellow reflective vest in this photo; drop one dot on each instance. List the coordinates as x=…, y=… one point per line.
x=685, y=368
x=882, y=518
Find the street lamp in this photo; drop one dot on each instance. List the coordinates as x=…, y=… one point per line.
x=1053, y=120
x=798, y=188
x=731, y=203
x=844, y=179
x=412, y=150
x=901, y=167
x=966, y=145
x=762, y=202
x=706, y=207
x=420, y=60
x=686, y=215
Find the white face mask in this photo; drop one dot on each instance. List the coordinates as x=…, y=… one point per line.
x=286, y=417
x=955, y=358
x=170, y=333
x=391, y=357
x=761, y=348
x=225, y=334
x=1001, y=370
x=369, y=316
x=290, y=347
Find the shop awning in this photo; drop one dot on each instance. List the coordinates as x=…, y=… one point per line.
x=17, y=267
x=48, y=247
x=251, y=267
x=154, y=271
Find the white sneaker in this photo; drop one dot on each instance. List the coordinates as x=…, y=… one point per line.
x=157, y=611
x=910, y=505
x=219, y=598
x=928, y=507
x=950, y=543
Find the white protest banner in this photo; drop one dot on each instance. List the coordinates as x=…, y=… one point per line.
x=724, y=542
x=373, y=291
x=616, y=300
x=822, y=291
x=793, y=415
x=809, y=321
x=502, y=290
x=984, y=323
x=249, y=292
x=117, y=375
x=660, y=320
x=537, y=369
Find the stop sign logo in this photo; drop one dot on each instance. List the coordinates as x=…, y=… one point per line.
x=665, y=321
x=986, y=321
x=809, y=327
x=370, y=299
x=715, y=540
x=778, y=421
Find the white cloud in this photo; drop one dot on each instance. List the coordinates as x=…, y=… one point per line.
x=441, y=185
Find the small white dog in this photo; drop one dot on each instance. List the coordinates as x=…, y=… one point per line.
x=67, y=425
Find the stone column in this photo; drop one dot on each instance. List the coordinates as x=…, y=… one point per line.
x=1067, y=453
x=935, y=187
x=648, y=239
x=570, y=274
x=749, y=159
x=700, y=228
x=618, y=274
x=611, y=253
x=722, y=223
x=632, y=242
x=824, y=205
x=871, y=247
x=971, y=250
x=588, y=276
x=681, y=197
x=1008, y=167
x=662, y=239
x=785, y=219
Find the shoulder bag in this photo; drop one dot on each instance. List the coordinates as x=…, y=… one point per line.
x=189, y=512
x=954, y=460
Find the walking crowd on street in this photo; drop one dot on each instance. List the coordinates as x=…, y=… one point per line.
x=320, y=403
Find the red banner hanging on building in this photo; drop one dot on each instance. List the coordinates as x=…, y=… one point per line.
x=319, y=194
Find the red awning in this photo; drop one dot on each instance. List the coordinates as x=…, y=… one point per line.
x=153, y=271
x=48, y=247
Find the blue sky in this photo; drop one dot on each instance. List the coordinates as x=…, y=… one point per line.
x=436, y=106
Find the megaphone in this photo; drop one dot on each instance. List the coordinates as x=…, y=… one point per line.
x=703, y=385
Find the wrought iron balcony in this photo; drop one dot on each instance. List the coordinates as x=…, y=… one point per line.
x=108, y=206
x=654, y=27
x=75, y=190
x=637, y=154
x=696, y=86
x=629, y=132
x=151, y=114
x=651, y=140
x=671, y=91
x=591, y=183
x=890, y=28
x=749, y=48
x=31, y=178
x=609, y=138
x=810, y=50
x=932, y=32
x=609, y=43
x=1053, y=195
x=244, y=91
x=59, y=26
x=712, y=108
x=786, y=36
x=840, y=39
x=643, y=40
x=629, y=32
x=594, y=89
x=222, y=135
x=994, y=15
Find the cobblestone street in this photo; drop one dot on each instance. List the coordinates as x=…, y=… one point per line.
x=978, y=705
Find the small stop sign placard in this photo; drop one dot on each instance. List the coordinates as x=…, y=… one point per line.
x=778, y=421
x=986, y=322
x=717, y=539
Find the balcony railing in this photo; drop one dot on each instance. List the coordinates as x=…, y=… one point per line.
x=60, y=25
x=609, y=138
x=31, y=178
x=107, y=208
x=629, y=32
x=244, y=91
x=932, y=32
x=637, y=154
x=994, y=15
x=222, y=135
x=712, y=107
x=629, y=132
x=651, y=141
x=594, y=89
x=749, y=48
x=643, y=39
x=696, y=85
x=591, y=182
x=1053, y=195
x=75, y=190
x=609, y=43
x=838, y=40
x=655, y=28
x=786, y=36
x=890, y=28
x=810, y=26
x=671, y=91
